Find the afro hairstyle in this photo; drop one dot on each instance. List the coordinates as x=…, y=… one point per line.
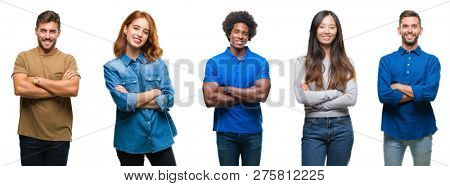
x=239, y=17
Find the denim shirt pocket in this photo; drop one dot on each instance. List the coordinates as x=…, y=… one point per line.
x=152, y=82
x=132, y=85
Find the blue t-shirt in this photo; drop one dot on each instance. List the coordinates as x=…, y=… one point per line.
x=227, y=70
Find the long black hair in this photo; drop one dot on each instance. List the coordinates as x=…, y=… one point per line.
x=341, y=69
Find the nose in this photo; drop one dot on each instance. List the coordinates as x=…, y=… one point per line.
x=240, y=36
x=47, y=35
x=410, y=29
x=327, y=30
x=140, y=33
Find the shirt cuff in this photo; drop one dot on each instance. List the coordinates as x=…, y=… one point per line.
x=161, y=101
x=418, y=93
x=131, y=102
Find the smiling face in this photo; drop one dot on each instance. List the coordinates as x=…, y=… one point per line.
x=137, y=33
x=410, y=30
x=326, y=32
x=47, y=34
x=239, y=35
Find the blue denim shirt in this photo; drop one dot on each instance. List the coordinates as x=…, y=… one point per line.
x=414, y=119
x=140, y=130
x=227, y=70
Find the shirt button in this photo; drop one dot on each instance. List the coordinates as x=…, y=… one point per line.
x=148, y=122
x=409, y=57
x=408, y=64
x=407, y=72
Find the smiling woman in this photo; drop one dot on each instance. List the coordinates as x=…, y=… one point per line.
x=325, y=83
x=139, y=83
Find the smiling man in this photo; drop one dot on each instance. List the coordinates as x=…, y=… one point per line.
x=408, y=80
x=235, y=83
x=45, y=79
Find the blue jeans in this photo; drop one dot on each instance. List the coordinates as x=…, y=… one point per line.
x=36, y=152
x=327, y=138
x=394, y=150
x=232, y=145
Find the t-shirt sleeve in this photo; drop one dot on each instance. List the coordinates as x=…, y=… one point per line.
x=71, y=64
x=211, y=72
x=263, y=70
x=19, y=65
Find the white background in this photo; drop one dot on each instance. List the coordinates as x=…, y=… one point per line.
x=191, y=31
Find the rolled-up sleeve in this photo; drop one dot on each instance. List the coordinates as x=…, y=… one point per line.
x=386, y=94
x=166, y=99
x=428, y=91
x=126, y=102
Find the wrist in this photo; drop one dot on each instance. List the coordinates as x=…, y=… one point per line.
x=36, y=80
x=226, y=90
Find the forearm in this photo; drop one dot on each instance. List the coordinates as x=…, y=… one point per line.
x=63, y=88
x=407, y=90
x=220, y=100
x=150, y=105
x=406, y=98
x=145, y=98
x=29, y=90
x=312, y=98
x=251, y=95
x=348, y=99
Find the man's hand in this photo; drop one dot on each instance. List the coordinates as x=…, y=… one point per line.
x=397, y=86
x=68, y=75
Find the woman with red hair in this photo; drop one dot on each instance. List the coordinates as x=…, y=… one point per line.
x=139, y=83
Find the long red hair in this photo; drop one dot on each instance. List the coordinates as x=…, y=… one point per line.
x=151, y=49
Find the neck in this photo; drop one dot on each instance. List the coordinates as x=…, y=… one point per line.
x=238, y=52
x=327, y=50
x=43, y=51
x=131, y=52
x=409, y=47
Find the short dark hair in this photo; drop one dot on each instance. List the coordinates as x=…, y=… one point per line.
x=239, y=17
x=409, y=13
x=47, y=17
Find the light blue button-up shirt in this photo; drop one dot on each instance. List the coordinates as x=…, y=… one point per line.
x=140, y=130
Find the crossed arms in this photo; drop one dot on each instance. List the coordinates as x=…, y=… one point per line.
x=391, y=92
x=46, y=88
x=324, y=99
x=215, y=96
x=160, y=98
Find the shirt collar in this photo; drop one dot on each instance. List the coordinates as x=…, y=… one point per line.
x=247, y=54
x=417, y=51
x=38, y=51
x=127, y=60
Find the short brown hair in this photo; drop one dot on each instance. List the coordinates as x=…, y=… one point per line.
x=151, y=49
x=409, y=13
x=47, y=17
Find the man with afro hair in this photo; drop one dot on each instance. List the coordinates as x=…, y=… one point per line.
x=235, y=83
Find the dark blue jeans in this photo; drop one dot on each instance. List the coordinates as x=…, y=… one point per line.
x=327, y=138
x=232, y=145
x=36, y=152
